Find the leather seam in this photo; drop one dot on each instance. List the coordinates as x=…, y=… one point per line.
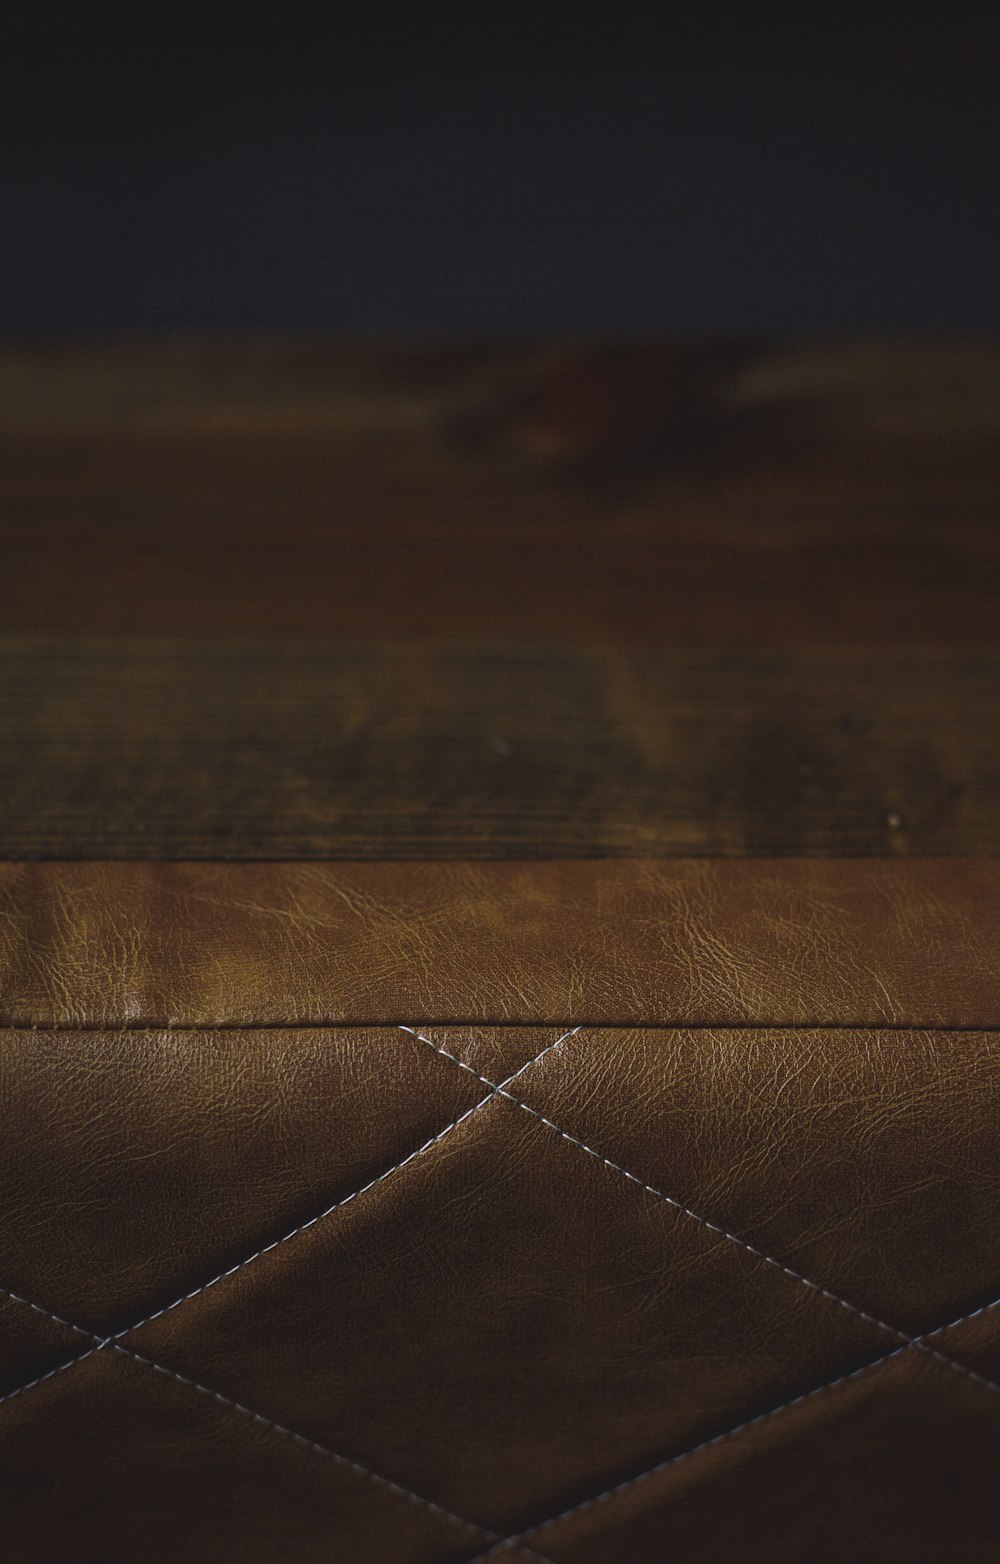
x=744, y=1427
x=501, y=1089
x=347, y=1199
x=326, y=1024
x=714, y=1227
x=276, y=1243
x=100, y=1344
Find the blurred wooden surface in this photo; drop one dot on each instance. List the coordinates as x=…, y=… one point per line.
x=553, y=601
x=645, y=496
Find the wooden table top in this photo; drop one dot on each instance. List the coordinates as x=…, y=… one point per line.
x=267, y=600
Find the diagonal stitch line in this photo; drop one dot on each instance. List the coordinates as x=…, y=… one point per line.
x=47, y=1314
x=723, y=1438
x=354, y=1195
x=277, y=1242
x=515, y=1542
x=101, y=1343
x=713, y=1227
x=303, y=1440
x=60, y=1368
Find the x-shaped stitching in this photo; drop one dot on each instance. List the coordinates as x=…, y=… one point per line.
x=713, y=1227
x=303, y=1227
x=113, y=1342
x=515, y=1542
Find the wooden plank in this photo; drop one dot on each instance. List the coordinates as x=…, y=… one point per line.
x=645, y=496
x=315, y=750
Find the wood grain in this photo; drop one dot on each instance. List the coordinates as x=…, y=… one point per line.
x=243, y=750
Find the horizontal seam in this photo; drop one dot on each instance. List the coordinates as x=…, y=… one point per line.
x=276, y=1243
x=713, y=1227
x=100, y=1344
x=328, y=1024
x=724, y=1438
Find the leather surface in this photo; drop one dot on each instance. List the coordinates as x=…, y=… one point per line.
x=611, y=1213
x=673, y=941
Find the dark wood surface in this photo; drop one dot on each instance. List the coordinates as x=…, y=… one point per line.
x=649, y=496
x=289, y=600
x=368, y=750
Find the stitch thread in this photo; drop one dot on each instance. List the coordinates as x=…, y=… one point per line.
x=47, y=1314
x=516, y=1542
x=723, y=1438
x=355, y=1194
x=100, y=1343
x=301, y=1439
x=713, y=1227
x=277, y=1242
x=60, y=1368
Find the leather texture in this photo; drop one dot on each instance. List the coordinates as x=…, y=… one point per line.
x=733, y=941
x=575, y=1213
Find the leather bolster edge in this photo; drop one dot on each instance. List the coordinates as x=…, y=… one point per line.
x=672, y=942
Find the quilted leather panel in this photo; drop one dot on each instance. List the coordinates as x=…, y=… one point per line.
x=119, y=1462
x=860, y=1457
x=153, y=1159
x=537, y=1296
x=502, y=1303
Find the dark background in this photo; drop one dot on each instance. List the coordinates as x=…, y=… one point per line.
x=406, y=182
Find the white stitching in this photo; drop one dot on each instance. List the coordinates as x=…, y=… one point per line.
x=47, y=1314
x=354, y=1195
x=60, y=1368
x=388, y=1172
x=713, y=1227
x=101, y=1343
x=723, y=1438
x=302, y=1439
x=515, y=1541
